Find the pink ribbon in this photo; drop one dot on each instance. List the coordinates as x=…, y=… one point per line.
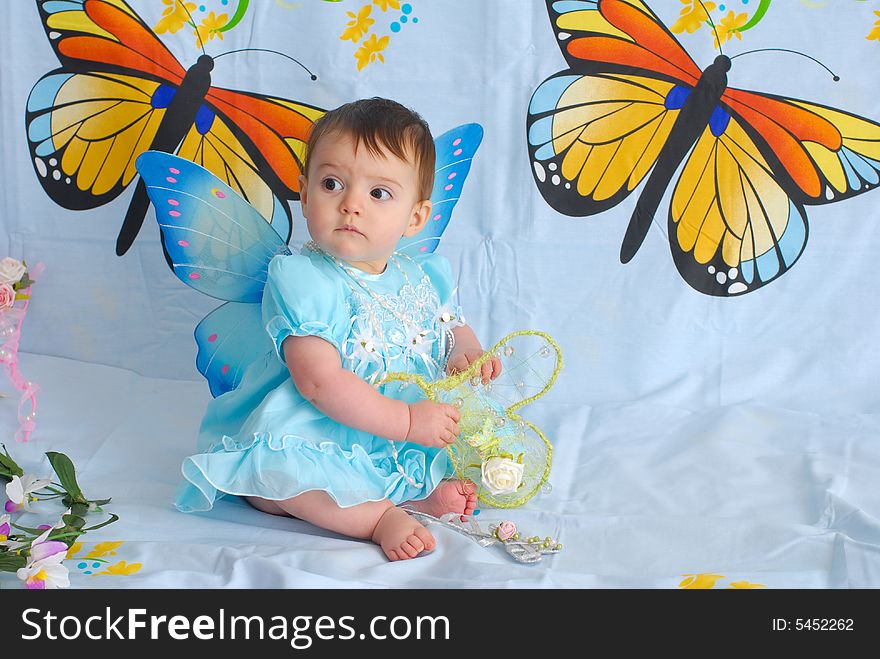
x=10, y=335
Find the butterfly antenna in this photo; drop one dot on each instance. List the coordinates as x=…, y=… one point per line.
x=712, y=23
x=834, y=76
x=267, y=50
x=193, y=23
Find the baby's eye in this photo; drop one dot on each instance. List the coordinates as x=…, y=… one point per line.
x=331, y=184
x=380, y=193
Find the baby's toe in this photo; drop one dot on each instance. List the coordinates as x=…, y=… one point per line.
x=469, y=489
x=408, y=550
x=427, y=540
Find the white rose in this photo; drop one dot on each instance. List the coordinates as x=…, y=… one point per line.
x=11, y=270
x=501, y=475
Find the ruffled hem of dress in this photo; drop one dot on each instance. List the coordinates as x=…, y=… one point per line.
x=279, y=328
x=350, y=477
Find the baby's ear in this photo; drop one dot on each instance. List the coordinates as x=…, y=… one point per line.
x=303, y=188
x=420, y=214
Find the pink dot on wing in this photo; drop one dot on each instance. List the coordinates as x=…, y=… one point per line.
x=225, y=369
x=437, y=216
x=451, y=176
x=171, y=179
x=423, y=248
x=174, y=213
x=194, y=275
x=448, y=187
x=212, y=338
x=174, y=170
x=457, y=141
x=183, y=243
x=457, y=152
x=174, y=202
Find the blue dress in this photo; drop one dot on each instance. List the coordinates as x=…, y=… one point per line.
x=264, y=439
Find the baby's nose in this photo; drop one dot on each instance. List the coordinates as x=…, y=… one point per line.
x=350, y=204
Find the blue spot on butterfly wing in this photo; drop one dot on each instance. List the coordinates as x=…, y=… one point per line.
x=162, y=96
x=62, y=5
x=547, y=95
x=204, y=119
x=861, y=165
x=676, y=97
x=851, y=177
x=43, y=94
x=565, y=6
x=718, y=121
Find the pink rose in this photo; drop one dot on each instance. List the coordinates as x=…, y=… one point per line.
x=505, y=531
x=7, y=296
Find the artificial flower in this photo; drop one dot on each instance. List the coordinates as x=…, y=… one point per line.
x=505, y=531
x=44, y=570
x=450, y=316
x=11, y=270
x=370, y=51
x=20, y=489
x=501, y=475
x=4, y=530
x=7, y=297
x=385, y=4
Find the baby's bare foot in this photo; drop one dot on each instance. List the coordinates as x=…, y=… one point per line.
x=453, y=496
x=400, y=536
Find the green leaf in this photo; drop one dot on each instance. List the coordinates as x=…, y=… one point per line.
x=78, y=509
x=113, y=518
x=74, y=521
x=10, y=562
x=67, y=475
x=101, y=502
x=8, y=464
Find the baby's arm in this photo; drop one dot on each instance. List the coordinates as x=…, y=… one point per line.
x=317, y=372
x=466, y=351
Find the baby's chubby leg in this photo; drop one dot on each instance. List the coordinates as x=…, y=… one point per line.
x=399, y=535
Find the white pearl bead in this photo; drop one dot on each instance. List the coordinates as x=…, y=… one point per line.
x=508, y=351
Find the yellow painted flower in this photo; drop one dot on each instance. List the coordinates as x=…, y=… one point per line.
x=874, y=35
x=74, y=549
x=702, y=581
x=385, y=4
x=210, y=27
x=692, y=16
x=359, y=25
x=174, y=16
x=370, y=51
x=103, y=548
x=740, y=585
x=121, y=569
x=729, y=27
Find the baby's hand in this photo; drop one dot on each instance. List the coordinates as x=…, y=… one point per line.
x=432, y=424
x=460, y=361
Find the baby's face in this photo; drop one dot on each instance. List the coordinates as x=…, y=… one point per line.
x=359, y=205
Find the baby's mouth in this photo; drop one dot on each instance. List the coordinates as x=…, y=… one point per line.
x=349, y=228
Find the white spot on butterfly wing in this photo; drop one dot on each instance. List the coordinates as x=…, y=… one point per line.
x=738, y=287
x=539, y=172
x=41, y=167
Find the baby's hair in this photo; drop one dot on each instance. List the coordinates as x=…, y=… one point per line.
x=382, y=124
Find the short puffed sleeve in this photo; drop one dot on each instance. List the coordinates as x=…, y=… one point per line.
x=440, y=273
x=300, y=299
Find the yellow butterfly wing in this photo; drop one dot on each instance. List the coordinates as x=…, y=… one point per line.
x=593, y=138
x=733, y=227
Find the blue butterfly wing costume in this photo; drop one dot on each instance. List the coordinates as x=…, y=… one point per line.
x=258, y=436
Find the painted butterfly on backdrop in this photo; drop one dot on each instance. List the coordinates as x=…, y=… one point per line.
x=120, y=92
x=633, y=102
x=221, y=246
